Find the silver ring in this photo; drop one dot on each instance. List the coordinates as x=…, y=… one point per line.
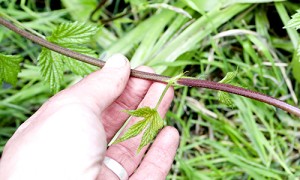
x=116, y=168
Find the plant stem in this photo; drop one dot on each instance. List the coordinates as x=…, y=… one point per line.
x=240, y=91
x=170, y=82
x=19, y=24
x=186, y=81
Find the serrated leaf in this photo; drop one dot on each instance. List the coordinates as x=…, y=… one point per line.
x=133, y=131
x=78, y=67
x=141, y=112
x=51, y=68
x=151, y=131
x=229, y=77
x=71, y=36
x=70, y=33
x=225, y=98
x=295, y=21
x=9, y=68
x=152, y=123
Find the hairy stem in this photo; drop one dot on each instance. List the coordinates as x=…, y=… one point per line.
x=155, y=77
x=19, y=24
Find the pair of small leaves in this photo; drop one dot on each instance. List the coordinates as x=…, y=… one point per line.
x=72, y=36
x=152, y=123
x=9, y=68
x=224, y=97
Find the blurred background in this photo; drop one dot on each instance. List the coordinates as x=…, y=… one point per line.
x=206, y=39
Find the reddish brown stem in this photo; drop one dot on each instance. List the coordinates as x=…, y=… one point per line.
x=155, y=77
x=240, y=91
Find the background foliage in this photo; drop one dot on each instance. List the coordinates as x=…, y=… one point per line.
x=207, y=38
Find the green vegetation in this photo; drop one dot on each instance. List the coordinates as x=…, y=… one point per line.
x=208, y=39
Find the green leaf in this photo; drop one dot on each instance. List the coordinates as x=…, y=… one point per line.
x=229, y=77
x=78, y=67
x=133, y=131
x=152, y=130
x=71, y=36
x=140, y=112
x=52, y=68
x=295, y=21
x=9, y=68
x=70, y=33
x=152, y=123
x=224, y=97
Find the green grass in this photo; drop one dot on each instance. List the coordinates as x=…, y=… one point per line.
x=249, y=141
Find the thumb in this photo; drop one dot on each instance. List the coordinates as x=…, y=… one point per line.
x=99, y=89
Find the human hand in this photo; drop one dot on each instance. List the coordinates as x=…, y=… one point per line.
x=67, y=137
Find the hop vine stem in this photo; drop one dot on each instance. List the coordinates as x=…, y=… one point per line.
x=186, y=81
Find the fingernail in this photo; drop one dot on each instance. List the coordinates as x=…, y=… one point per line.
x=116, y=61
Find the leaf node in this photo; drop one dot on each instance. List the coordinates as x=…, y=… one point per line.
x=224, y=97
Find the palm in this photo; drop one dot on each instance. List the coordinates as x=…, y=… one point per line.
x=69, y=134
